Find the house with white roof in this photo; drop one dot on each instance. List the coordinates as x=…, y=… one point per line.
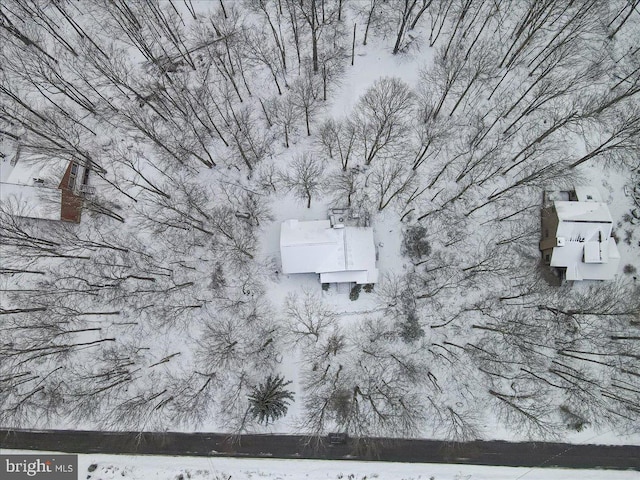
x=339, y=253
x=43, y=188
x=576, y=237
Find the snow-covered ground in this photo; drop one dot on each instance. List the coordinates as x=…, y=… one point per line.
x=125, y=467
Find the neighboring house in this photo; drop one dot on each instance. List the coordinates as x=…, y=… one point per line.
x=339, y=253
x=51, y=189
x=576, y=236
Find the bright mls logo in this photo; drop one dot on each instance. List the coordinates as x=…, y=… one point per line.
x=39, y=467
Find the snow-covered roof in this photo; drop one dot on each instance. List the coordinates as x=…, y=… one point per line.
x=357, y=276
x=573, y=256
x=26, y=171
x=311, y=247
x=344, y=254
x=583, y=212
x=30, y=187
x=594, y=252
x=31, y=202
x=584, y=243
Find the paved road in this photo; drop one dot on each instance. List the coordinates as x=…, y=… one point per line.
x=527, y=454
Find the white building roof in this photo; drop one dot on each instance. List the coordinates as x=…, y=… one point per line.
x=572, y=256
x=25, y=171
x=30, y=187
x=31, y=202
x=344, y=254
x=583, y=211
x=584, y=243
x=311, y=247
x=357, y=276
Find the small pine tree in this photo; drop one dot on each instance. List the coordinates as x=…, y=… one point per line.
x=355, y=292
x=410, y=329
x=415, y=244
x=269, y=401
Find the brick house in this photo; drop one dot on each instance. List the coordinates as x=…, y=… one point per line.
x=45, y=189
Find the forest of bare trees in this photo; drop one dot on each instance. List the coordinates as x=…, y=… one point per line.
x=157, y=310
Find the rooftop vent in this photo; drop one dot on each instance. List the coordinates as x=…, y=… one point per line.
x=560, y=242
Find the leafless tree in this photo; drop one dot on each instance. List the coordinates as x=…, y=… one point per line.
x=618, y=139
x=249, y=142
x=317, y=16
x=309, y=317
x=273, y=13
x=369, y=395
x=285, y=115
x=622, y=16
x=389, y=179
x=441, y=80
x=381, y=117
x=305, y=95
x=260, y=50
x=409, y=13
x=338, y=139
x=347, y=187
x=305, y=177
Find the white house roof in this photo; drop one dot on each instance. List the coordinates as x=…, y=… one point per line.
x=360, y=253
x=583, y=212
x=311, y=247
x=31, y=202
x=584, y=243
x=30, y=187
x=572, y=256
x=357, y=276
x=50, y=170
x=344, y=254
